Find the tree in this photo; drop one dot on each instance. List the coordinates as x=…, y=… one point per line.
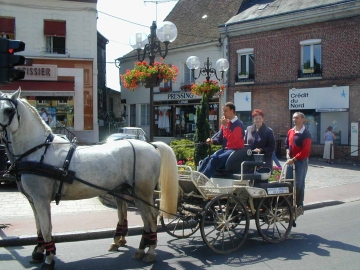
x=202, y=130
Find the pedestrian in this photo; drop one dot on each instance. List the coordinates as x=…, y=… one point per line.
x=44, y=116
x=329, y=138
x=261, y=138
x=231, y=136
x=297, y=145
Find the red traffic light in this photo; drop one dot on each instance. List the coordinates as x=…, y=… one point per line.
x=16, y=46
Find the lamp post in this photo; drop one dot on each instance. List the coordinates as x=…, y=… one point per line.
x=202, y=113
x=193, y=63
x=148, y=45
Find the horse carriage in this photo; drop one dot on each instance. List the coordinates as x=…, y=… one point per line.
x=50, y=168
x=222, y=207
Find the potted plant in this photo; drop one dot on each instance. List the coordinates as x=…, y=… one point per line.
x=307, y=67
x=145, y=73
x=208, y=88
x=165, y=89
x=243, y=75
x=186, y=87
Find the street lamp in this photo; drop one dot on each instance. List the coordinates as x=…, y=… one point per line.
x=148, y=45
x=193, y=63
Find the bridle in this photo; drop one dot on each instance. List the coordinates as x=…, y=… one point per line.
x=11, y=117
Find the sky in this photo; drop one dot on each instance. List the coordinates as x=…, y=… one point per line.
x=124, y=18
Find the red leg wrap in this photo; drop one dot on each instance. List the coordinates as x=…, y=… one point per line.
x=121, y=230
x=40, y=240
x=148, y=239
x=50, y=247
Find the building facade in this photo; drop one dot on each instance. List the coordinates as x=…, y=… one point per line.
x=61, y=60
x=174, y=105
x=298, y=56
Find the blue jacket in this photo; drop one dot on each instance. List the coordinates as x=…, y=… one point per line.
x=264, y=139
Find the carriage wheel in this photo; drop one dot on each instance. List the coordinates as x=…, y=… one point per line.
x=225, y=224
x=183, y=225
x=273, y=216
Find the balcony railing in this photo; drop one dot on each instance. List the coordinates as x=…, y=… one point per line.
x=51, y=50
x=250, y=79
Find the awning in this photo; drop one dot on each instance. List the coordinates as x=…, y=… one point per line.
x=55, y=28
x=7, y=25
x=48, y=86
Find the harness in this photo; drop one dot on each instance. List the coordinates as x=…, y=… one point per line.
x=63, y=174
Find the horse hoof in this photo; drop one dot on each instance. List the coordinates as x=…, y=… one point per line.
x=122, y=243
x=46, y=266
x=149, y=258
x=114, y=247
x=139, y=255
x=37, y=257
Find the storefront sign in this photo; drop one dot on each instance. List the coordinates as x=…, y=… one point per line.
x=176, y=96
x=40, y=72
x=242, y=101
x=336, y=97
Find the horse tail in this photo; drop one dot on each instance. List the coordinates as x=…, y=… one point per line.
x=168, y=179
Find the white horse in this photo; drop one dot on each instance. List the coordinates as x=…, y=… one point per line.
x=133, y=165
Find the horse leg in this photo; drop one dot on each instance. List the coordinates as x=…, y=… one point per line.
x=149, y=237
x=122, y=226
x=37, y=255
x=42, y=208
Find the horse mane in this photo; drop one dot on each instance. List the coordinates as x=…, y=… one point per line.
x=37, y=116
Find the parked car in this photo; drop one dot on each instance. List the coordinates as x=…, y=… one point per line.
x=139, y=132
x=123, y=136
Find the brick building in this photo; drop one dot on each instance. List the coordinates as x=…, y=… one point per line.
x=298, y=55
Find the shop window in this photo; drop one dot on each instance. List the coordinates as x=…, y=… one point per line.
x=133, y=115
x=145, y=114
x=310, y=58
x=62, y=102
x=245, y=117
x=245, y=71
x=317, y=121
x=43, y=102
x=55, y=32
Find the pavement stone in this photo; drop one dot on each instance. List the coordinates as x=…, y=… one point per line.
x=326, y=185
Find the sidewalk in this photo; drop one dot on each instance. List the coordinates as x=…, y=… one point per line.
x=89, y=219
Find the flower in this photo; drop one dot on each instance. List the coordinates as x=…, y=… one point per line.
x=185, y=87
x=165, y=89
x=143, y=70
x=209, y=88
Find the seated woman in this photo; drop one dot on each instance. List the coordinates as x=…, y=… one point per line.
x=261, y=138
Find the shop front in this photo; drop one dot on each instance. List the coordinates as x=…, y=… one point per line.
x=63, y=88
x=323, y=107
x=175, y=114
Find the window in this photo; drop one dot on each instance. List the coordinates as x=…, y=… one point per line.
x=7, y=27
x=245, y=64
x=145, y=114
x=55, y=32
x=42, y=102
x=187, y=79
x=60, y=102
x=132, y=115
x=311, y=58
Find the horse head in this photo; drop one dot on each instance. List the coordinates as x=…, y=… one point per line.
x=9, y=116
x=20, y=122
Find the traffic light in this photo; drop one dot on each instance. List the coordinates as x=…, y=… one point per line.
x=8, y=60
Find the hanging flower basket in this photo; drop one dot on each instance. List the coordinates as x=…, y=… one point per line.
x=150, y=76
x=209, y=88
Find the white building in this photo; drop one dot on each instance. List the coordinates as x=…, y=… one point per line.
x=61, y=59
x=198, y=35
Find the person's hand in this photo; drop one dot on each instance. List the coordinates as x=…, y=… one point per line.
x=257, y=150
x=290, y=161
x=209, y=141
x=224, y=121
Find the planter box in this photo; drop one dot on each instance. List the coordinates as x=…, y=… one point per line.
x=308, y=70
x=243, y=76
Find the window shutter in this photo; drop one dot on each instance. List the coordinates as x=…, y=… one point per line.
x=55, y=28
x=7, y=25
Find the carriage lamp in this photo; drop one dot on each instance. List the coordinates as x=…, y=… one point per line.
x=149, y=45
x=193, y=63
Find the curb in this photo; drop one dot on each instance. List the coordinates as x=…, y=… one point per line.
x=108, y=233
